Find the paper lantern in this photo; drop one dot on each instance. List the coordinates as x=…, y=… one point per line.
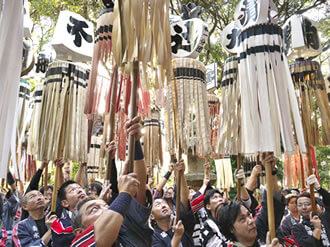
x=301, y=38
x=73, y=37
x=188, y=37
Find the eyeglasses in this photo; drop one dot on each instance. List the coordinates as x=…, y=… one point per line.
x=306, y=204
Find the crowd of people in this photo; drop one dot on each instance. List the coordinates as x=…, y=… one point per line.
x=131, y=211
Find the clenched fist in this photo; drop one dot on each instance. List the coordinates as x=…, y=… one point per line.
x=129, y=184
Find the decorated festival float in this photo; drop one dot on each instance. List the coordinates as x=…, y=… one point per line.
x=266, y=95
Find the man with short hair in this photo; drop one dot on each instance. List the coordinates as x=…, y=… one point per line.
x=210, y=234
x=95, y=223
x=313, y=230
x=170, y=232
x=69, y=194
x=34, y=230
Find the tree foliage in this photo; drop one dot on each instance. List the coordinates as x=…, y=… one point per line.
x=217, y=14
x=323, y=162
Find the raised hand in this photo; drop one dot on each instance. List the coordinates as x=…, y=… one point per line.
x=110, y=147
x=129, y=184
x=133, y=127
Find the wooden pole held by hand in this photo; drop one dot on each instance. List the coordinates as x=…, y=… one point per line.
x=239, y=164
x=45, y=180
x=132, y=114
x=302, y=173
x=54, y=197
x=178, y=186
x=270, y=200
x=112, y=111
x=206, y=171
x=310, y=172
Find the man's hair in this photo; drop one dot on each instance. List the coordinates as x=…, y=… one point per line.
x=307, y=195
x=23, y=200
x=42, y=189
x=153, y=222
x=289, y=197
x=76, y=219
x=209, y=194
x=226, y=218
x=61, y=194
x=97, y=186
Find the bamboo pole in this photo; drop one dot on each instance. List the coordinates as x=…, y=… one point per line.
x=226, y=194
x=112, y=111
x=239, y=164
x=258, y=177
x=302, y=177
x=132, y=114
x=270, y=200
x=54, y=197
x=178, y=186
x=46, y=179
x=310, y=172
x=207, y=171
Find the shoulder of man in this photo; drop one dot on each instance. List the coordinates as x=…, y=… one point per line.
x=62, y=226
x=26, y=232
x=161, y=238
x=86, y=238
x=62, y=234
x=197, y=202
x=23, y=224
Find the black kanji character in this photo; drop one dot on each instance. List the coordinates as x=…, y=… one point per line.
x=78, y=30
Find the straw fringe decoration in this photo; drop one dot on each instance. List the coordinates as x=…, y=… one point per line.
x=187, y=95
x=292, y=169
x=249, y=162
x=314, y=104
x=152, y=147
x=35, y=119
x=23, y=118
x=268, y=102
x=229, y=141
x=101, y=53
x=141, y=32
x=94, y=161
x=214, y=110
x=63, y=97
x=224, y=174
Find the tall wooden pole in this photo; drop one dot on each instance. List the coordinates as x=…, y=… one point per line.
x=206, y=171
x=46, y=179
x=132, y=114
x=239, y=164
x=54, y=197
x=310, y=172
x=112, y=111
x=178, y=186
x=270, y=199
x=302, y=173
